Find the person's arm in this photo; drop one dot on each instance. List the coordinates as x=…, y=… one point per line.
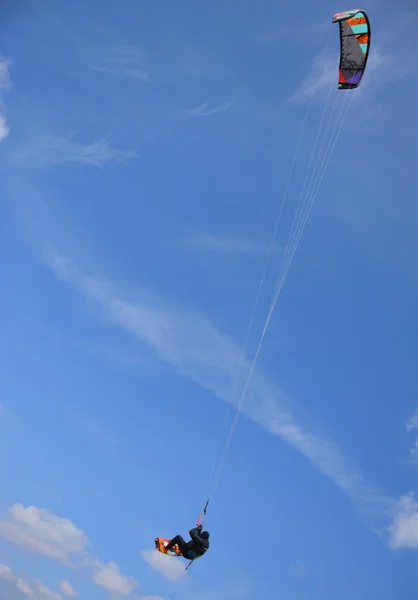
x=194, y=534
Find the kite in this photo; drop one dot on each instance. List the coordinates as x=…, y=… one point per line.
x=354, y=44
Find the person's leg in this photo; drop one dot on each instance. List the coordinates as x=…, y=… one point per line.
x=180, y=542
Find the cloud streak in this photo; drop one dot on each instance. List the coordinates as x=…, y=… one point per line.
x=204, y=110
x=123, y=60
x=50, y=151
x=191, y=343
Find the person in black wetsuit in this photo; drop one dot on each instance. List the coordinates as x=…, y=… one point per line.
x=196, y=547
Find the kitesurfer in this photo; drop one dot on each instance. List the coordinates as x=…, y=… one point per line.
x=196, y=547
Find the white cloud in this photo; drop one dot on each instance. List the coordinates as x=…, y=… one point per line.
x=36, y=590
x=48, y=151
x=227, y=245
x=109, y=577
x=6, y=573
x=5, y=86
x=204, y=110
x=412, y=422
x=31, y=589
x=38, y=530
x=414, y=451
x=171, y=567
x=4, y=129
x=41, y=592
x=24, y=587
x=5, y=83
x=67, y=589
x=404, y=528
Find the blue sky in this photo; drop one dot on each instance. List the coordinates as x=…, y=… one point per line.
x=144, y=155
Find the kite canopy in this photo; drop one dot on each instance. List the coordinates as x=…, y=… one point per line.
x=355, y=43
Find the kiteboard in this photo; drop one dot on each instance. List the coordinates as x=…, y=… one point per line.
x=161, y=543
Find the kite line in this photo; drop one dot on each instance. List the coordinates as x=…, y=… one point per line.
x=309, y=192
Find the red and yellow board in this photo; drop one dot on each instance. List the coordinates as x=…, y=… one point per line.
x=161, y=543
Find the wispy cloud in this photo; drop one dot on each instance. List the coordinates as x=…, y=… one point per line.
x=173, y=570
x=226, y=245
x=191, y=343
x=404, y=528
x=123, y=60
x=412, y=422
x=411, y=425
x=5, y=83
x=98, y=47
x=5, y=86
x=204, y=110
x=323, y=74
x=49, y=151
x=414, y=451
